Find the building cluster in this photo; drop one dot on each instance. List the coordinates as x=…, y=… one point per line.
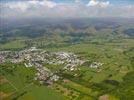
x=38, y=58
x=1, y=59
x=96, y=65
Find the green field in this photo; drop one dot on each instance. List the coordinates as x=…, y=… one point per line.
x=21, y=85
x=66, y=49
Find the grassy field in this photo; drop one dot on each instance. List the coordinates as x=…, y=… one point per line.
x=90, y=84
x=17, y=44
x=115, y=62
x=20, y=85
x=41, y=93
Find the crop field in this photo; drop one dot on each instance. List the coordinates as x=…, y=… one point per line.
x=67, y=59
x=20, y=84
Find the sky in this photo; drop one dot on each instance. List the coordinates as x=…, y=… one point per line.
x=66, y=8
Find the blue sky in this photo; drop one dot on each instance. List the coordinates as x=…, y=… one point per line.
x=66, y=8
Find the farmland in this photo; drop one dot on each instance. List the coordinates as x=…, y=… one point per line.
x=67, y=63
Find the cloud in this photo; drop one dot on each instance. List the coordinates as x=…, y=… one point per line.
x=48, y=8
x=28, y=4
x=92, y=3
x=98, y=3
x=77, y=1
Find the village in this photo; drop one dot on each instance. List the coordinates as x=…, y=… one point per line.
x=34, y=57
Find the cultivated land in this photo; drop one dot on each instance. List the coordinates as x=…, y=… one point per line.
x=68, y=63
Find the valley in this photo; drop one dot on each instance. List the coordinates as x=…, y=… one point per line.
x=67, y=62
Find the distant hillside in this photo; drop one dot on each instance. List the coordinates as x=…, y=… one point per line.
x=57, y=32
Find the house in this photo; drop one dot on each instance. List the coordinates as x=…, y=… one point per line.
x=96, y=65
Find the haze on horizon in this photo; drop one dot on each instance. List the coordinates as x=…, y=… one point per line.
x=17, y=9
